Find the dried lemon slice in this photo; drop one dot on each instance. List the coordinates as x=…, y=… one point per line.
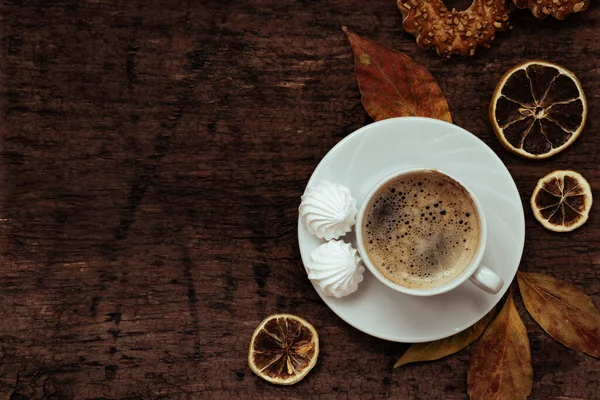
x=561, y=201
x=283, y=349
x=538, y=109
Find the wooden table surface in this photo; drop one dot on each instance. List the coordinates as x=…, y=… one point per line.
x=152, y=160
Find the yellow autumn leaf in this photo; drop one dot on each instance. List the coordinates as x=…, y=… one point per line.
x=500, y=367
x=437, y=349
x=562, y=310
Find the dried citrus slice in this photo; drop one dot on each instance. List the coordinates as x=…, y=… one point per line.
x=283, y=349
x=561, y=201
x=538, y=109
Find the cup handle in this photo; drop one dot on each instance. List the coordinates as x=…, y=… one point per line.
x=486, y=279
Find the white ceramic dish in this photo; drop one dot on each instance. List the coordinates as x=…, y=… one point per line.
x=366, y=156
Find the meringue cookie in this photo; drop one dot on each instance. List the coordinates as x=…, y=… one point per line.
x=336, y=268
x=328, y=210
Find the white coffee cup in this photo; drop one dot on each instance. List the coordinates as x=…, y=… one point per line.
x=480, y=275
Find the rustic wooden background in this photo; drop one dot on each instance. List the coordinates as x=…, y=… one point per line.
x=152, y=160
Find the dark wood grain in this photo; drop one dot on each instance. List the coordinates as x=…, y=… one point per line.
x=152, y=160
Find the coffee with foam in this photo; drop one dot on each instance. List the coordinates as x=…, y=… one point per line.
x=421, y=229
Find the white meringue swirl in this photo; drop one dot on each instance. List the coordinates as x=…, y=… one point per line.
x=328, y=210
x=336, y=268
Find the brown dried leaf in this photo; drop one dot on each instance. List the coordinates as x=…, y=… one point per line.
x=562, y=310
x=393, y=84
x=500, y=367
x=441, y=348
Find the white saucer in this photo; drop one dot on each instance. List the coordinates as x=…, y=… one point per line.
x=360, y=160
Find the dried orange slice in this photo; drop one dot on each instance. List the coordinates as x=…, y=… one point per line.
x=283, y=349
x=561, y=201
x=538, y=109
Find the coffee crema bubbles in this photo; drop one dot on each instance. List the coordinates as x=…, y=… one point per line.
x=421, y=229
